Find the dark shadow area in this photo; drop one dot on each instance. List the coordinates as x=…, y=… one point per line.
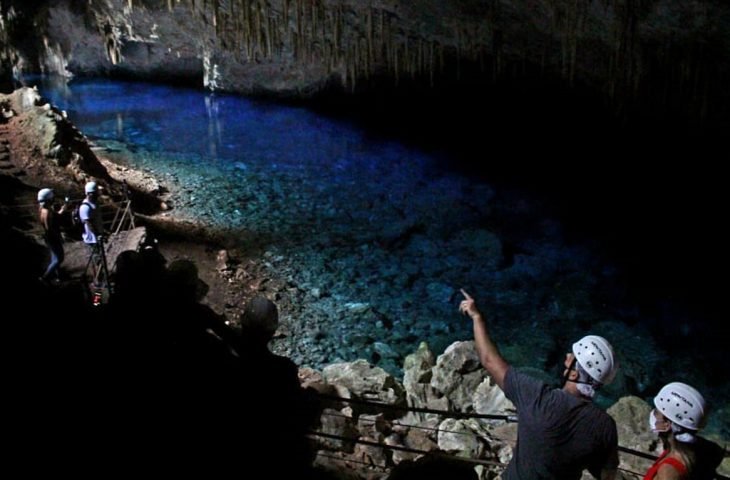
x=153, y=379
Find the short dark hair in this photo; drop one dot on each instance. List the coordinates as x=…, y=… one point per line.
x=261, y=316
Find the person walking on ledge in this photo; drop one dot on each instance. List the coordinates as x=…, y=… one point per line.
x=560, y=431
x=49, y=218
x=93, y=234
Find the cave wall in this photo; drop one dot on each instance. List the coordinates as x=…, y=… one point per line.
x=665, y=55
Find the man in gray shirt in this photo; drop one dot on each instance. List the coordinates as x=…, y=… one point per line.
x=560, y=431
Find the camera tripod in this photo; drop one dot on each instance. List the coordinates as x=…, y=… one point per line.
x=100, y=283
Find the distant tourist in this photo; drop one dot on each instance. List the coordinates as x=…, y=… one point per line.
x=49, y=218
x=678, y=416
x=560, y=431
x=93, y=232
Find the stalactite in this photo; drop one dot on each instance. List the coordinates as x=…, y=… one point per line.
x=313, y=9
x=468, y=42
x=250, y=22
x=326, y=60
x=323, y=29
x=563, y=56
x=307, y=47
x=264, y=32
x=415, y=60
x=295, y=45
x=324, y=39
x=420, y=56
x=636, y=83
x=395, y=65
x=360, y=39
x=299, y=18
x=355, y=59
x=242, y=28
x=269, y=39
x=406, y=55
x=496, y=54
x=258, y=33
x=442, y=63
x=430, y=62
x=215, y=15
x=276, y=41
x=245, y=36
x=303, y=37
x=388, y=40
x=336, y=35
x=367, y=63
x=458, y=53
x=482, y=54
x=573, y=60
x=350, y=62
x=412, y=62
x=314, y=49
x=369, y=26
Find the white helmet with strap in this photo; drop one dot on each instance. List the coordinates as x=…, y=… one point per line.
x=45, y=195
x=90, y=187
x=595, y=356
x=681, y=404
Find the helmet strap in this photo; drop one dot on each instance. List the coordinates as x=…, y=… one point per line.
x=586, y=385
x=682, y=434
x=566, y=375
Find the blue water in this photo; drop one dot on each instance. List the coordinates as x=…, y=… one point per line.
x=373, y=238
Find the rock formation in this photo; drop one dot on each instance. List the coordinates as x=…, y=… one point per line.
x=666, y=55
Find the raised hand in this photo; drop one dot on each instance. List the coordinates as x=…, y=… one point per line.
x=468, y=306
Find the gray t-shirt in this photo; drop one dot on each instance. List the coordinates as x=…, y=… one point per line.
x=558, y=434
x=89, y=213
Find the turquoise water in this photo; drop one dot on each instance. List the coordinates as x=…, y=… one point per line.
x=373, y=238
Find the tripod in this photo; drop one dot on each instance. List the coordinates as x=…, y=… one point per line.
x=101, y=273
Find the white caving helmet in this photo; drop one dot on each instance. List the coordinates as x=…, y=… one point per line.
x=90, y=187
x=681, y=404
x=595, y=355
x=45, y=195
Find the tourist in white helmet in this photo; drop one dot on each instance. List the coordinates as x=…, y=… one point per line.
x=49, y=218
x=560, y=432
x=679, y=415
x=90, y=216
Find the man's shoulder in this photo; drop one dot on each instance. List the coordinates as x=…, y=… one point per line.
x=599, y=419
x=522, y=376
x=516, y=380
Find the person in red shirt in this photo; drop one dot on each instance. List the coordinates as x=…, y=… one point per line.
x=678, y=417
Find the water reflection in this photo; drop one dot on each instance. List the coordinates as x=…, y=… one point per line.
x=215, y=129
x=120, y=127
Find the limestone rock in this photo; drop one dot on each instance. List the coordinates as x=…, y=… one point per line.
x=366, y=381
x=457, y=374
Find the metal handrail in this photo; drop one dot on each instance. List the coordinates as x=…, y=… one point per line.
x=451, y=414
